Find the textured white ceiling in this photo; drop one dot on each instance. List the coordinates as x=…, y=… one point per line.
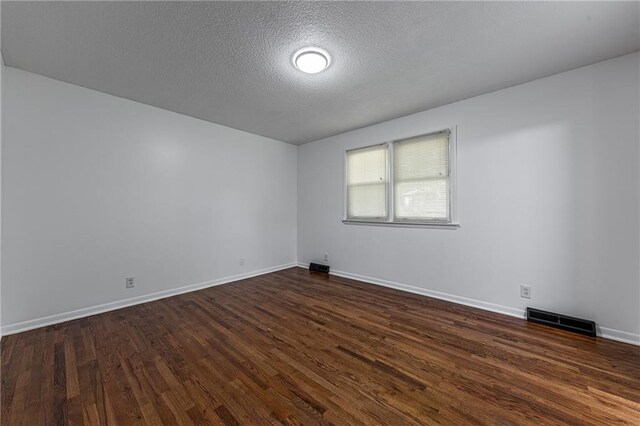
x=230, y=62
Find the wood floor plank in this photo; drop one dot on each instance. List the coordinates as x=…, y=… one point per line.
x=294, y=347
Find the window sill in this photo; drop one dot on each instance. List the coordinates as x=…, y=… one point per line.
x=452, y=226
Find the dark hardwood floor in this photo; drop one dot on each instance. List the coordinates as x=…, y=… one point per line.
x=296, y=348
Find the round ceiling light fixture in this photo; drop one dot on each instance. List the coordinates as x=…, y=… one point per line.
x=311, y=60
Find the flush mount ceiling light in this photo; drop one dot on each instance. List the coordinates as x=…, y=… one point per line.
x=311, y=60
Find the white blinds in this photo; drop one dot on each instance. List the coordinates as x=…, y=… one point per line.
x=421, y=178
x=367, y=181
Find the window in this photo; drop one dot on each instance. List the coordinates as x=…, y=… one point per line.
x=367, y=183
x=405, y=181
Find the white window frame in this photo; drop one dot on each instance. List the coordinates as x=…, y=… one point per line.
x=454, y=222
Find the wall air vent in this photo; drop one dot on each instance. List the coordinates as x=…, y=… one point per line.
x=319, y=268
x=564, y=322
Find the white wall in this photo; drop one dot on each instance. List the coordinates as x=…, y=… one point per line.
x=96, y=188
x=548, y=196
x=1, y=84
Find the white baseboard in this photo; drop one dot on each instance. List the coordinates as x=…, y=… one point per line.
x=505, y=310
x=607, y=333
x=105, y=307
x=620, y=336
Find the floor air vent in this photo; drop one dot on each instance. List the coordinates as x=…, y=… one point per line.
x=563, y=322
x=319, y=268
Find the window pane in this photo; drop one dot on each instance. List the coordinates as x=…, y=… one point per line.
x=422, y=200
x=367, y=201
x=367, y=165
x=421, y=178
x=367, y=181
x=421, y=157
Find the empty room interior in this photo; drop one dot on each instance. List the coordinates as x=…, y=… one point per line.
x=309, y=213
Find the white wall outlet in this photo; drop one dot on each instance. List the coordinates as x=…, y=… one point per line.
x=242, y=261
x=525, y=291
x=129, y=282
x=326, y=257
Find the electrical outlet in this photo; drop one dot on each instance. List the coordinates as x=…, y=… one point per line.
x=130, y=282
x=525, y=291
x=242, y=261
x=326, y=257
